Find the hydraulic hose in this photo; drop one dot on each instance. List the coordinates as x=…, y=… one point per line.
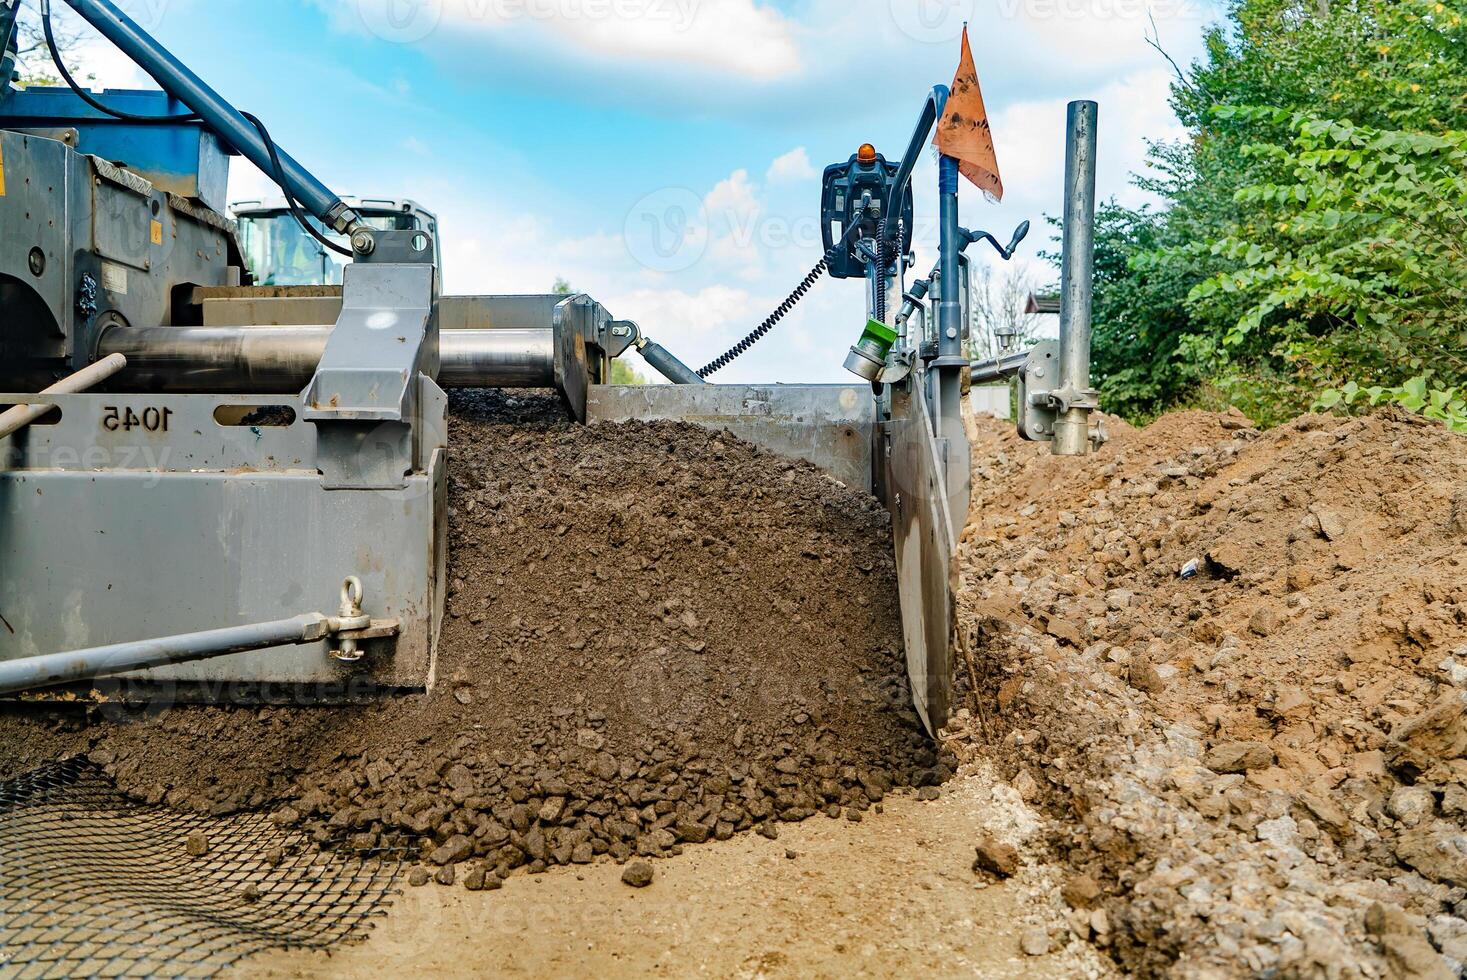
x=277, y=170
x=781, y=311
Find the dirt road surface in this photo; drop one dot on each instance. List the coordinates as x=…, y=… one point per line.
x=890, y=895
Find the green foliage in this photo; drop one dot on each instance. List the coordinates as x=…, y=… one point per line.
x=623, y=373
x=1442, y=404
x=1361, y=272
x=1313, y=228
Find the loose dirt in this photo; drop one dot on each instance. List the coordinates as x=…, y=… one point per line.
x=1232, y=666
x=656, y=636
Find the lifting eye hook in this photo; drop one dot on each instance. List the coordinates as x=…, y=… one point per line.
x=351, y=618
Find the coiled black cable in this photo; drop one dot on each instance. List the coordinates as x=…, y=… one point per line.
x=279, y=172
x=781, y=311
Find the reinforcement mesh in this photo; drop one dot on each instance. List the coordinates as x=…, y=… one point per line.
x=93, y=884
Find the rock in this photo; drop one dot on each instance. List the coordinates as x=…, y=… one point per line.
x=1327, y=814
x=996, y=858
x=1449, y=934
x=1034, y=942
x=1454, y=800
x=418, y=877
x=452, y=851
x=444, y=875
x=638, y=874
x=249, y=893
x=1457, y=522
x=1143, y=677
x=588, y=738
x=1331, y=523
x=1264, y=622
x=1081, y=892
x=196, y=844
x=1438, y=851
x=1437, y=735
x=474, y=880
x=1233, y=757
x=1411, y=805
x=1025, y=786
x=1406, y=949
x=691, y=831
x=551, y=809
x=1226, y=560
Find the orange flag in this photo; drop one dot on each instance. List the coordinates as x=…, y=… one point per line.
x=963, y=131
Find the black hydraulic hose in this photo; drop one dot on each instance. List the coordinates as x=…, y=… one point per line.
x=278, y=175
x=86, y=96
x=290, y=201
x=781, y=311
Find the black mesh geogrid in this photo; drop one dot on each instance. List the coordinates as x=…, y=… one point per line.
x=93, y=884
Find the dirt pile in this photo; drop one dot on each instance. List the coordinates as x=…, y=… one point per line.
x=655, y=636
x=1234, y=663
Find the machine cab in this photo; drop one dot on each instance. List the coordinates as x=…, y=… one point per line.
x=278, y=252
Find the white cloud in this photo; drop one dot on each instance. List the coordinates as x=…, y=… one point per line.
x=794, y=165
x=743, y=38
x=1030, y=138
x=732, y=199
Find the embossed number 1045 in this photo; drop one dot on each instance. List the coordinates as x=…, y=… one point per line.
x=125, y=419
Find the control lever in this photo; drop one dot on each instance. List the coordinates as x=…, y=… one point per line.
x=1006, y=251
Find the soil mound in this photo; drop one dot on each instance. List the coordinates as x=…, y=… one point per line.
x=1235, y=662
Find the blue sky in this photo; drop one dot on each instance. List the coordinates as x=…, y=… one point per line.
x=664, y=155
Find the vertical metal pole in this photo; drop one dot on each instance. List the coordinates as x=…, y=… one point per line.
x=950, y=361
x=1072, y=429
x=225, y=120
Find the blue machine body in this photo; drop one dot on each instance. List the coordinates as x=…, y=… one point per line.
x=182, y=158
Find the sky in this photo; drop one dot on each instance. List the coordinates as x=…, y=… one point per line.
x=664, y=156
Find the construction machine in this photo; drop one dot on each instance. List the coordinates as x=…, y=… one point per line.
x=223, y=484
x=278, y=251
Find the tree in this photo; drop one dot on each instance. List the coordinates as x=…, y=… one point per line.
x=999, y=304
x=33, y=60
x=1236, y=290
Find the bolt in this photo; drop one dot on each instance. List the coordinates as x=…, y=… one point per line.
x=363, y=243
